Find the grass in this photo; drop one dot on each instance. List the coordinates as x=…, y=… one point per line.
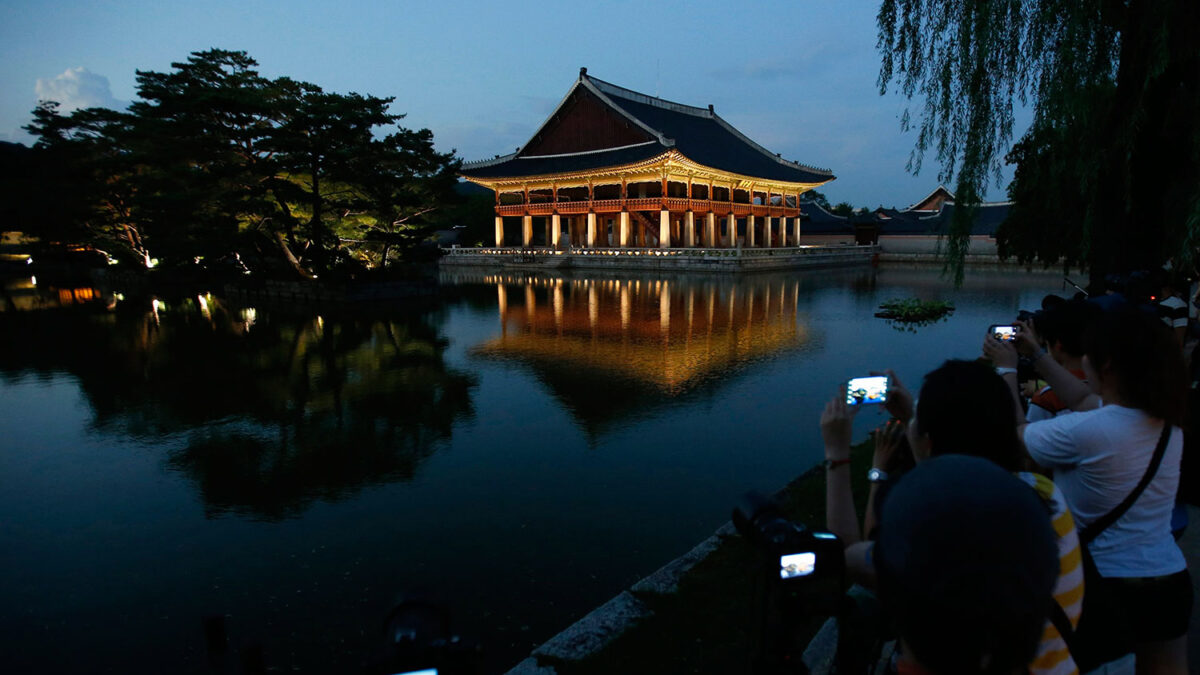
x=705, y=626
x=908, y=314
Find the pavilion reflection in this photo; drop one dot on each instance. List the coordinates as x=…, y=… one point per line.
x=652, y=339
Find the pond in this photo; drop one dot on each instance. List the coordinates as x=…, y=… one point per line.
x=520, y=452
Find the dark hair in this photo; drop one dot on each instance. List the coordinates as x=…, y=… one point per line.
x=1065, y=324
x=966, y=409
x=1138, y=350
x=966, y=560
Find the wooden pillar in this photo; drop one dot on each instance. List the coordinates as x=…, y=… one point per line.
x=591, y=230
x=689, y=227
x=499, y=231
x=710, y=229
x=731, y=226
x=750, y=228
x=526, y=230
x=664, y=227
x=783, y=231
x=624, y=225
x=555, y=229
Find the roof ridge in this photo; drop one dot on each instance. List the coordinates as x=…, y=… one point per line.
x=638, y=97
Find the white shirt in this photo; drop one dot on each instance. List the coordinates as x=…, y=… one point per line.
x=1098, y=458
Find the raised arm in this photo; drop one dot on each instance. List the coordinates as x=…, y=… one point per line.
x=836, y=424
x=1070, y=389
x=1004, y=357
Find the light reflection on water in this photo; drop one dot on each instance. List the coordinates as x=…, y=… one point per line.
x=296, y=471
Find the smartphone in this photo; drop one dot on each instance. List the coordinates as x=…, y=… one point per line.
x=797, y=564
x=1006, y=333
x=863, y=390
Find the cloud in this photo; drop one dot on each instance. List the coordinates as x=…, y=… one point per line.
x=78, y=88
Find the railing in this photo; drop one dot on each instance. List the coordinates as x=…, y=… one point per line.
x=673, y=204
x=526, y=254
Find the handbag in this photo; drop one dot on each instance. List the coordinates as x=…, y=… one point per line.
x=1102, y=634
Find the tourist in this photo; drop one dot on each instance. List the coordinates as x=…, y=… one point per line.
x=966, y=564
x=1130, y=411
x=964, y=408
x=1060, y=332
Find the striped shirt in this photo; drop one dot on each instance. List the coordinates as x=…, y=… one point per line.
x=1053, y=657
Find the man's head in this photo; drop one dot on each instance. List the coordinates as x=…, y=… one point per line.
x=967, y=561
x=1063, y=326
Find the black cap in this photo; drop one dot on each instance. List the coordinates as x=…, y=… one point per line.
x=967, y=561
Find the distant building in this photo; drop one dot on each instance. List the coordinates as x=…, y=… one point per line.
x=614, y=168
x=913, y=231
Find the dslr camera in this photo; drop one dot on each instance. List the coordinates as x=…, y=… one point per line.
x=800, y=574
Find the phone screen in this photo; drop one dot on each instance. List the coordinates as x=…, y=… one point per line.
x=1005, y=333
x=862, y=390
x=797, y=564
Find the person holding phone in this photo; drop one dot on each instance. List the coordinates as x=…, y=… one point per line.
x=963, y=409
x=1117, y=460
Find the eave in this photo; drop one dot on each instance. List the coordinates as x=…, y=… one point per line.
x=672, y=165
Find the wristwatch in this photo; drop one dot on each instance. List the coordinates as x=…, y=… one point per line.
x=877, y=475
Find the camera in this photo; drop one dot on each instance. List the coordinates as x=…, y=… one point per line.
x=800, y=573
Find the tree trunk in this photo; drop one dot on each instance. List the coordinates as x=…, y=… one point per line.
x=287, y=253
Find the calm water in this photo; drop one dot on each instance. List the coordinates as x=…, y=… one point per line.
x=523, y=452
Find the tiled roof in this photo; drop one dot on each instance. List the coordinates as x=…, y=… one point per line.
x=988, y=217
x=698, y=133
x=816, y=220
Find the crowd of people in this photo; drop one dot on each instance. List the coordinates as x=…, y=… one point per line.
x=1024, y=506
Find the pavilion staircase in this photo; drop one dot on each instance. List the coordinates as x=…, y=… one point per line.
x=650, y=227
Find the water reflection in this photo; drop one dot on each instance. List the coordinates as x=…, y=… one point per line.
x=276, y=411
x=607, y=347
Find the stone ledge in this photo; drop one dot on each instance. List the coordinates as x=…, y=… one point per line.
x=595, y=630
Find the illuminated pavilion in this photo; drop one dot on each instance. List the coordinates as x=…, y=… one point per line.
x=613, y=168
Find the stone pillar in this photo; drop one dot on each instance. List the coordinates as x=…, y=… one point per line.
x=689, y=230
x=664, y=229
x=731, y=226
x=555, y=229
x=783, y=231
x=796, y=232
x=499, y=231
x=750, y=230
x=591, y=230
x=526, y=230
x=624, y=229
x=768, y=240
x=710, y=229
